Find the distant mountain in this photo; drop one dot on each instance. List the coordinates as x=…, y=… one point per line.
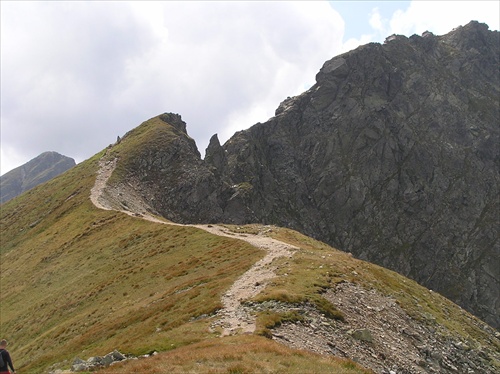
x=392, y=155
x=36, y=171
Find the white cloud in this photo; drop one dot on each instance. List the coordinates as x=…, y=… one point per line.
x=376, y=21
x=440, y=17
x=61, y=66
x=237, y=61
x=14, y=158
x=353, y=43
x=74, y=75
x=77, y=74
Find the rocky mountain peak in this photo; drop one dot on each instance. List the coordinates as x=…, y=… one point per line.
x=36, y=171
x=474, y=35
x=392, y=155
x=215, y=154
x=174, y=120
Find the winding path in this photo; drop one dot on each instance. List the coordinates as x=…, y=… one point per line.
x=233, y=318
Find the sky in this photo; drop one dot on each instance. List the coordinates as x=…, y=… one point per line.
x=77, y=74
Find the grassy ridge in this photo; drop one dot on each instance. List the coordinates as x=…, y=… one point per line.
x=138, y=143
x=77, y=280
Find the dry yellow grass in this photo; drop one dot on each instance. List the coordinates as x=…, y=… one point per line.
x=240, y=354
x=79, y=281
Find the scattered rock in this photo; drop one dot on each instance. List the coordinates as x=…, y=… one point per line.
x=385, y=341
x=95, y=362
x=364, y=335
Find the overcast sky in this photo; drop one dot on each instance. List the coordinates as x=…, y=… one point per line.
x=76, y=74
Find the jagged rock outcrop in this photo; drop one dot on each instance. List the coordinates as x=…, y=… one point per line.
x=392, y=155
x=36, y=171
x=215, y=154
x=167, y=171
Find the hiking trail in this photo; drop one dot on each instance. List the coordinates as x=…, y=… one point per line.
x=233, y=318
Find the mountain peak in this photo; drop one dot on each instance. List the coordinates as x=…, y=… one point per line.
x=474, y=36
x=174, y=120
x=40, y=169
x=392, y=155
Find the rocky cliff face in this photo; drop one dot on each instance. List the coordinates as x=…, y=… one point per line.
x=392, y=155
x=171, y=176
x=41, y=169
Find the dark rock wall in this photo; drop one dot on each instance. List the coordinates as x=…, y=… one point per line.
x=392, y=155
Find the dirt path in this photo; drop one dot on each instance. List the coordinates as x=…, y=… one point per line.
x=106, y=168
x=234, y=317
x=376, y=331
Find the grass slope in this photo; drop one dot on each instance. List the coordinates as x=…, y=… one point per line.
x=238, y=355
x=79, y=281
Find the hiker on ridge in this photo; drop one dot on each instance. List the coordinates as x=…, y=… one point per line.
x=5, y=359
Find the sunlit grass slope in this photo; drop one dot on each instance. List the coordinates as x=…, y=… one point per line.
x=80, y=281
x=314, y=268
x=244, y=354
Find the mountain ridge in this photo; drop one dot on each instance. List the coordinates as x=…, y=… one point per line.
x=40, y=169
x=97, y=280
x=392, y=155
x=441, y=356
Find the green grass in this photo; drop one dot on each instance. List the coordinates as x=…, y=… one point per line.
x=268, y=320
x=239, y=354
x=302, y=278
x=79, y=281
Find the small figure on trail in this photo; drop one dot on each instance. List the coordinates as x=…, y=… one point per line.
x=5, y=360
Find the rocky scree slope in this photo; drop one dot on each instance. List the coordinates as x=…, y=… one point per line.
x=392, y=155
x=36, y=171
